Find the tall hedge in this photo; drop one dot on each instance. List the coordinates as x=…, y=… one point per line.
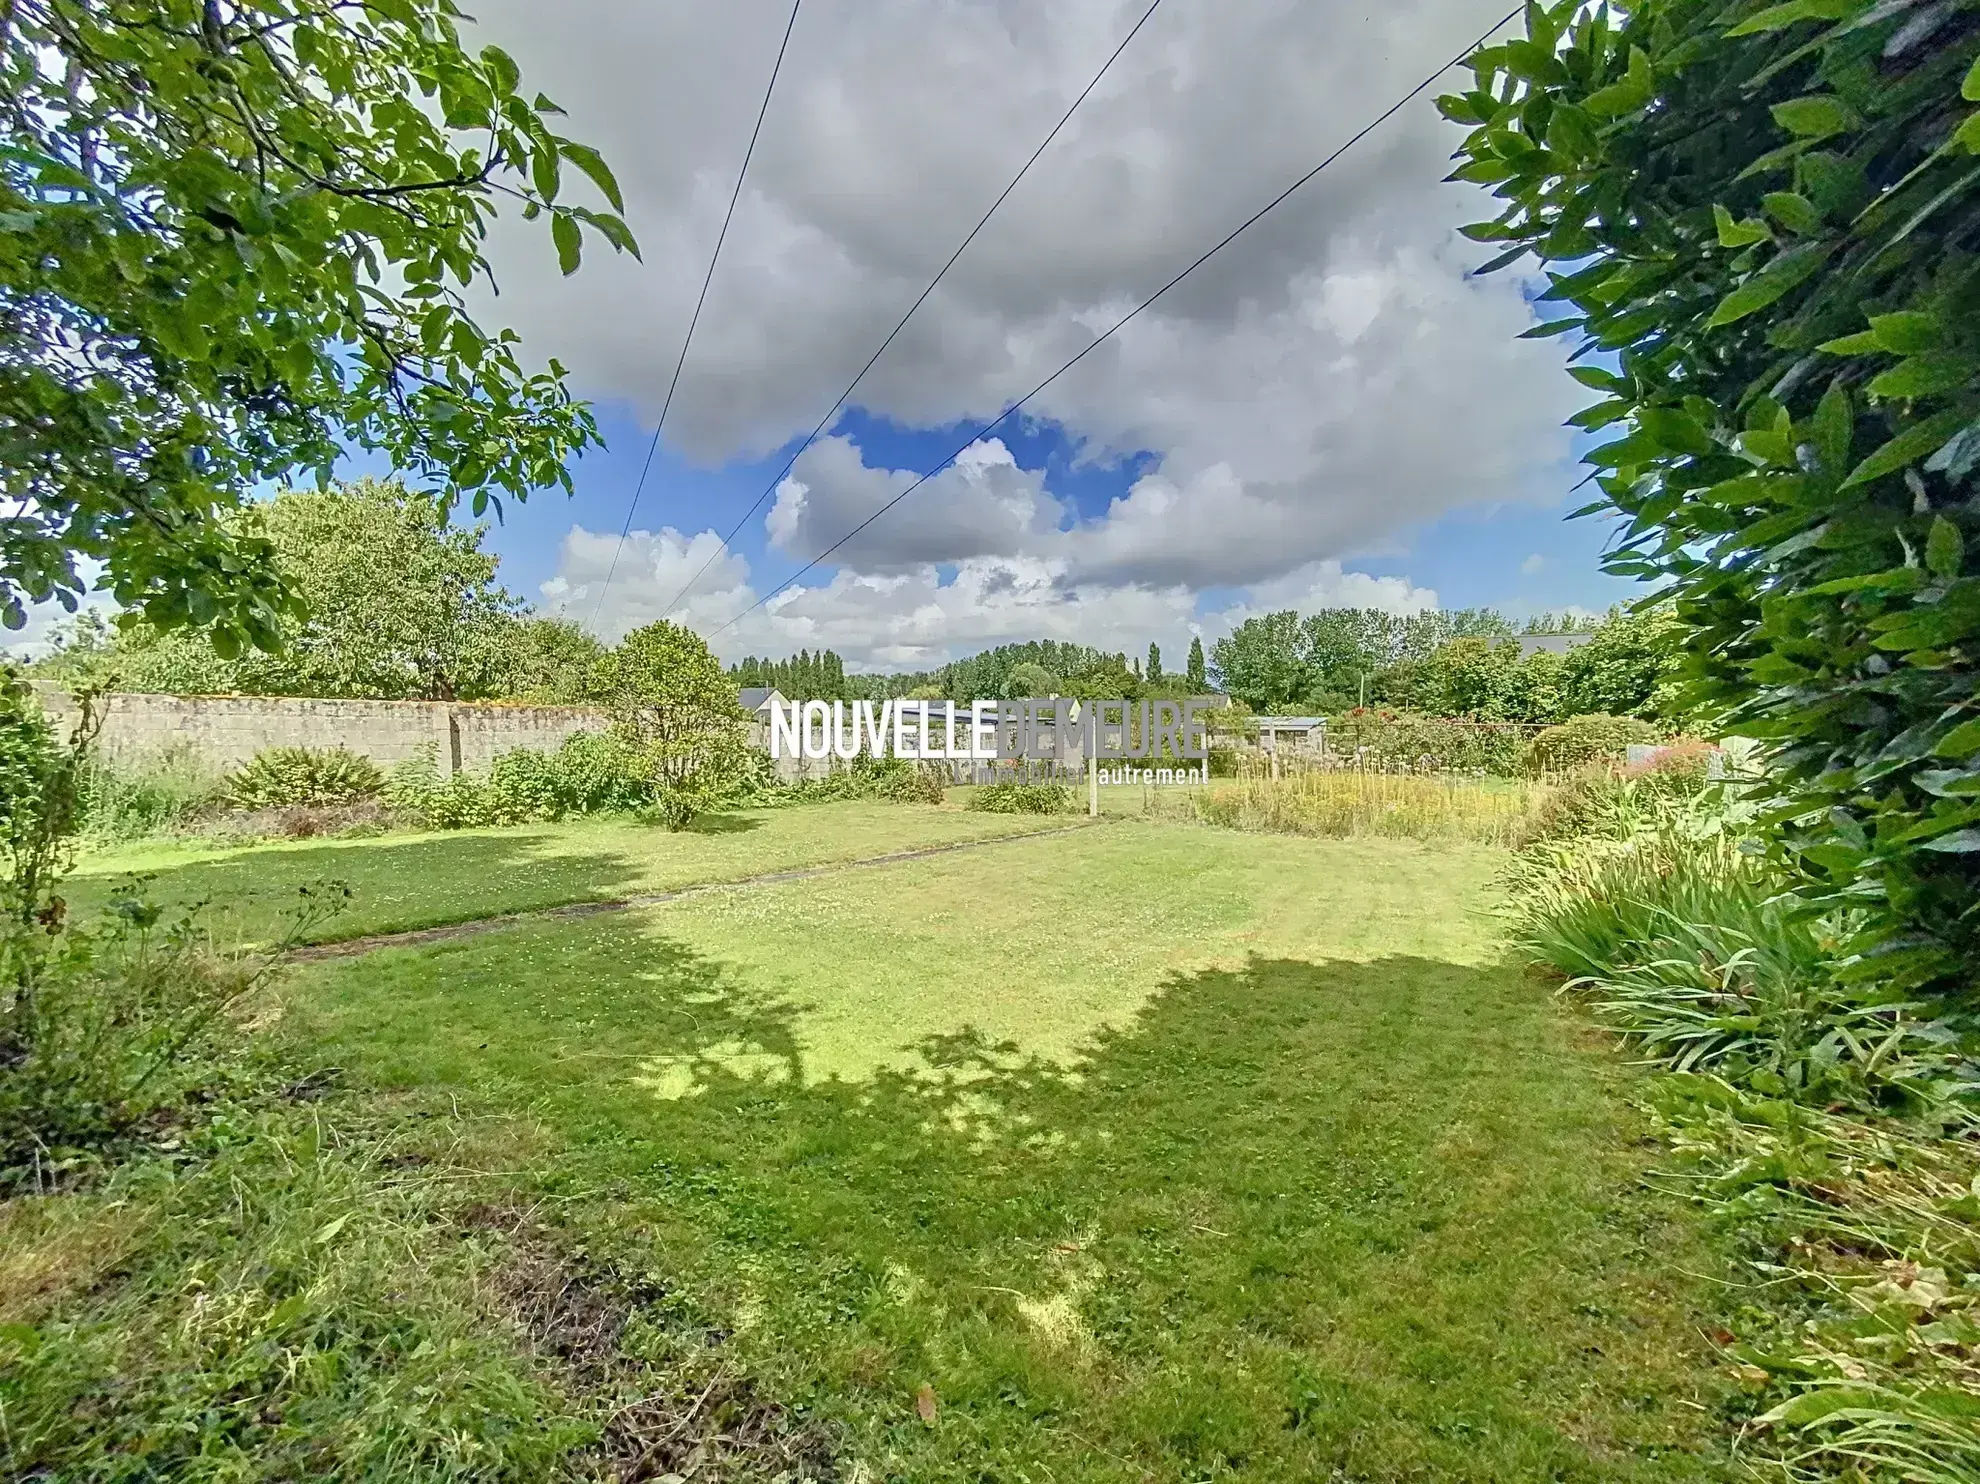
x=1764, y=218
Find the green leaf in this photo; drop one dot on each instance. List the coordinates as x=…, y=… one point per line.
x=1949, y=783
x=1944, y=548
x=1596, y=379
x=1970, y=89
x=1737, y=233
x=1813, y=1406
x=1817, y=116
x=1967, y=135
x=1863, y=343
x=569, y=239
x=1907, y=448
x=1784, y=274
x=1924, y=375
x=1957, y=842
x=1795, y=212
x=1512, y=255
x=1778, y=17
x=1633, y=92
x=593, y=165
x=544, y=173
x=1907, y=332
x=1675, y=430
x=502, y=68
x=1552, y=327
x=433, y=328
x=1833, y=426
x=1961, y=742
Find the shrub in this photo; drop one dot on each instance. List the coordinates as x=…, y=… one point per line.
x=1022, y=798
x=128, y=801
x=589, y=773
x=677, y=713
x=1584, y=739
x=597, y=773
x=1401, y=741
x=108, y=1036
x=40, y=792
x=525, y=786
x=908, y=784
x=280, y=777
x=1761, y=216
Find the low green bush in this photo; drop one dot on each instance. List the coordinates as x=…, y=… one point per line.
x=1401, y=741
x=1585, y=739
x=891, y=778
x=282, y=777
x=911, y=785
x=589, y=773
x=1022, y=798
x=130, y=801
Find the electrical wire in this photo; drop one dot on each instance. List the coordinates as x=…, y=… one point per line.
x=1369, y=128
x=695, y=319
x=826, y=421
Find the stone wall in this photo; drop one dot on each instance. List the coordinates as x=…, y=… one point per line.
x=225, y=731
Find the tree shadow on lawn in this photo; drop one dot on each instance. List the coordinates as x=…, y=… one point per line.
x=1350, y=1220
x=251, y=898
x=723, y=824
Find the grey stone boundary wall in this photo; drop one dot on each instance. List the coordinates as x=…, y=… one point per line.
x=225, y=731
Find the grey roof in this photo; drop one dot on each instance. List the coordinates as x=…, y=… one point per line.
x=756, y=697
x=1552, y=643
x=1291, y=723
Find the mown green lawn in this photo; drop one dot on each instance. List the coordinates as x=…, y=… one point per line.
x=413, y=881
x=1154, y=1152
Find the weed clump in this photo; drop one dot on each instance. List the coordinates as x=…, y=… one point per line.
x=1010, y=797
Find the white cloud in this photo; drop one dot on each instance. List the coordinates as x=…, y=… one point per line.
x=982, y=505
x=1322, y=387
x=1532, y=565
x=645, y=577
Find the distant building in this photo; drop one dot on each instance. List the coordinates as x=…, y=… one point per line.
x=1288, y=732
x=1532, y=644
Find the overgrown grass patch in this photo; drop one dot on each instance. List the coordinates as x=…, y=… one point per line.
x=344, y=1290
x=1353, y=804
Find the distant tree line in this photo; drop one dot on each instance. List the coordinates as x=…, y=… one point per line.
x=1464, y=663
x=1040, y=667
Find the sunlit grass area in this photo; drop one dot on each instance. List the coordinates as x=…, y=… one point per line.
x=413, y=881
x=1150, y=1152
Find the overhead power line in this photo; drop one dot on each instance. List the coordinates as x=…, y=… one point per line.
x=851, y=386
x=1369, y=128
x=695, y=318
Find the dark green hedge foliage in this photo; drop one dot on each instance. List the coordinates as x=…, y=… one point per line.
x=1765, y=217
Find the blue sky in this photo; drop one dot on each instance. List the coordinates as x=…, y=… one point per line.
x=1517, y=556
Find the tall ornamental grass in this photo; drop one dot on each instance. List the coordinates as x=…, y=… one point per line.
x=1354, y=804
x=1824, y=1119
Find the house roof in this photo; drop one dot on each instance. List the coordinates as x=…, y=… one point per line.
x=756, y=697
x=1552, y=643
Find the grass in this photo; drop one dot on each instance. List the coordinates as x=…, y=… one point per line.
x=1355, y=805
x=403, y=882
x=1153, y=1152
